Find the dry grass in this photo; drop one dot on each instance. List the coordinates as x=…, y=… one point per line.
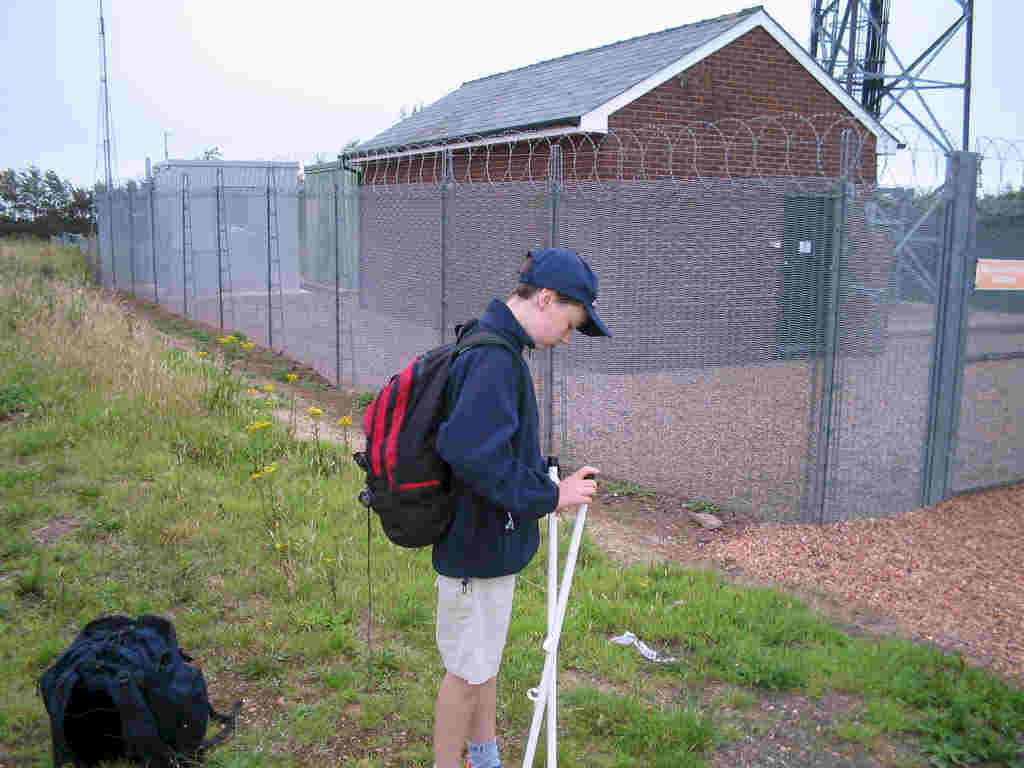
x=74, y=327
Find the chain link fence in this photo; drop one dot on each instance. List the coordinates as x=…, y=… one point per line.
x=792, y=339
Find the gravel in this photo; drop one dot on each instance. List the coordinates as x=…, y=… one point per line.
x=950, y=575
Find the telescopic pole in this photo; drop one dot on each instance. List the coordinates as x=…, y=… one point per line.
x=540, y=695
x=552, y=722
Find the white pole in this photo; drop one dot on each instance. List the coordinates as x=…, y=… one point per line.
x=539, y=696
x=552, y=724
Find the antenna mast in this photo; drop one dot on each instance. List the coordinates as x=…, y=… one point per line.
x=105, y=96
x=849, y=38
x=108, y=167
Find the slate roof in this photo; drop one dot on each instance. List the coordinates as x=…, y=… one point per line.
x=553, y=92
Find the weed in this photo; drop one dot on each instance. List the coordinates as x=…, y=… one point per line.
x=15, y=398
x=362, y=400
x=704, y=507
x=623, y=488
x=33, y=585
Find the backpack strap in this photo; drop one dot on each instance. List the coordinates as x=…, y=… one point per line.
x=471, y=336
x=139, y=728
x=228, y=721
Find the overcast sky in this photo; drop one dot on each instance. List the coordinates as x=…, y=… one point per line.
x=289, y=80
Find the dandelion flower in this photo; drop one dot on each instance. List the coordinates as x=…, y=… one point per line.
x=224, y=340
x=269, y=468
x=268, y=387
x=291, y=377
x=256, y=475
x=345, y=421
x=202, y=353
x=315, y=412
x=258, y=425
x=248, y=344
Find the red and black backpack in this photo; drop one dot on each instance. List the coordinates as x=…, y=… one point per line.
x=408, y=484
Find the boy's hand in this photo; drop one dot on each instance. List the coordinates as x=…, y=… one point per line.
x=578, y=488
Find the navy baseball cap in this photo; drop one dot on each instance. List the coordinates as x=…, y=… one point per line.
x=564, y=271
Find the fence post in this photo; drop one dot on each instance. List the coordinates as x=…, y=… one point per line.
x=954, y=281
x=220, y=248
x=833, y=313
x=270, y=302
x=111, y=194
x=152, y=236
x=184, y=245
x=555, y=183
x=131, y=233
x=337, y=271
x=446, y=174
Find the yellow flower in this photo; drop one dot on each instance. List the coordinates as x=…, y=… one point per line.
x=345, y=421
x=256, y=475
x=269, y=468
x=291, y=377
x=202, y=353
x=268, y=387
x=248, y=344
x=315, y=412
x=258, y=425
x=225, y=340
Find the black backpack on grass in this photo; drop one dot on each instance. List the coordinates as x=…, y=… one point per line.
x=124, y=690
x=408, y=484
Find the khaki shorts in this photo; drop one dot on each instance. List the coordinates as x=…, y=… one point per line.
x=472, y=625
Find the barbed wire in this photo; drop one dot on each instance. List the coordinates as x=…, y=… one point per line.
x=778, y=146
x=789, y=147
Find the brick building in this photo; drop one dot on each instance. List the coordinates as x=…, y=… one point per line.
x=732, y=96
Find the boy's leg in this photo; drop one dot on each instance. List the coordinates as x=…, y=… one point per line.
x=482, y=727
x=457, y=703
x=483, y=747
x=472, y=625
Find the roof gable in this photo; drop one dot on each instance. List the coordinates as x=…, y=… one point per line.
x=577, y=92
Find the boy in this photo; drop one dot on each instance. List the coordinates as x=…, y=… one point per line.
x=501, y=489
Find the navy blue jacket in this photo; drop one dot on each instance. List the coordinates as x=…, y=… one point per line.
x=493, y=448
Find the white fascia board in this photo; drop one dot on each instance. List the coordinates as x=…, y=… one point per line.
x=597, y=119
x=510, y=138
x=172, y=163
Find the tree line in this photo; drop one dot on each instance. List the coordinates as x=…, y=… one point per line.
x=36, y=203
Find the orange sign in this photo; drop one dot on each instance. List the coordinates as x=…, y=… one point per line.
x=999, y=275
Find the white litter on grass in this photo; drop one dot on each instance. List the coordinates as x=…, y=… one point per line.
x=645, y=650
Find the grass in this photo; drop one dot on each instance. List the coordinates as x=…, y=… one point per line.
x=150, y=451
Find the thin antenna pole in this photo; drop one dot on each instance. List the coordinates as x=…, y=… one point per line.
x=108, y=173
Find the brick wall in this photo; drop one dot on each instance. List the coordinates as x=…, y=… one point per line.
x=736, y=88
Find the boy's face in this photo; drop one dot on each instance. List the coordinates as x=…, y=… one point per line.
x=556, y=321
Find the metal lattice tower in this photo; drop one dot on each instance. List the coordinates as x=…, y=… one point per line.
x=849, y=38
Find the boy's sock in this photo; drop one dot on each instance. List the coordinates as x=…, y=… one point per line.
x=484, y=755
